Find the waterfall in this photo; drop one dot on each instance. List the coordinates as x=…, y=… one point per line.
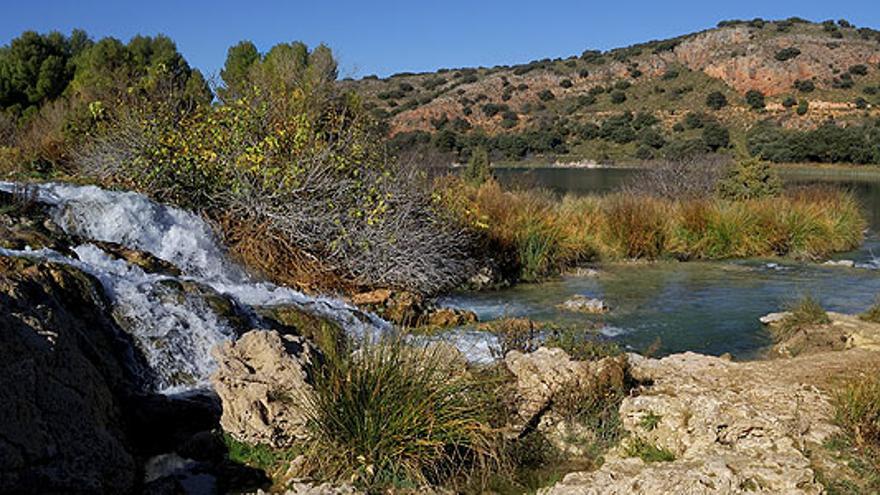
x=175, y=330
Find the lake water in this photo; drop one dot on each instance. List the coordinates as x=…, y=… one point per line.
x=708, y=307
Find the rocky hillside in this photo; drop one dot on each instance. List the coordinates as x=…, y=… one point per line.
x=805, y=72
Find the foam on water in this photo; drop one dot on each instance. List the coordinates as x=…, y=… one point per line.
x=174, y=329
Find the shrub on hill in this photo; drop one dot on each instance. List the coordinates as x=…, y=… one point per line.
x=755, y=99
x=618, y=97
x=716, y=100
x=787, y=54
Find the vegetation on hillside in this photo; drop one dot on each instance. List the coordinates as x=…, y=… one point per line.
x=552, y=107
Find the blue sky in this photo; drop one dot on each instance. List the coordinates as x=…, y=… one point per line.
x=384, y=37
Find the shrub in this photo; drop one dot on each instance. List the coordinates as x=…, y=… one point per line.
x=546, y=95
x=618, y=97
x=749, y=179
x=566, y=83
x=787, y=54
x=804, y=86
x=859, y=70
x=803, y=107
x=670, y=74
x=695, y=120
x=716, y=136
x=755, y=99
x=478, y=170
x=789, y=102
x=685, y=179
x=395, y=415
x=716, y=100
x=298, y=158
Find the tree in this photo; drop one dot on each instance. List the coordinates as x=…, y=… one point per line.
x=716, y=100
x=478, y=168
x=239, y=60
x=755, y=99
x=716, y=136
x=36, y=68
x=803, y=107
x=749, y=179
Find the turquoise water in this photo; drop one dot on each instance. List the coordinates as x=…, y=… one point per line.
x=708, y=307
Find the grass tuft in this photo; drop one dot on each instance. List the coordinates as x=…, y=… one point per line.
x=647, y=451
x=392, y=415
x=803, y=312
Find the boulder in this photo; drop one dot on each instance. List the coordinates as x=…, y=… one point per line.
x=840, y=263
x=141, y=259
x=64, y=370
x=584, y=304
x=547, y=378
x=263, y=382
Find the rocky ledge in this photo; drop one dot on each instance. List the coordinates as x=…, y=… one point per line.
x=727, y=427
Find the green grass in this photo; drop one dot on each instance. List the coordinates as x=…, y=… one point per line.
x=261, y=457
x=646, y=451
x=650, y=421
x=803, y=312
x=391, y=415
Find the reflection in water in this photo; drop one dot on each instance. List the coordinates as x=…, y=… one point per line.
x=709, y=307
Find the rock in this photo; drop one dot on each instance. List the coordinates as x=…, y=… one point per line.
x=733, y=427
x=378, y=296
x=24, y=224
x=64, y=375
x=583, y=272
x=142, y=259
x=262, y=381
x=843, y=332
x=450, y=317
x=841, y=263
x=547, y=374
x=307, y=488
x=772, y=318
x=584, y=304
x=411, y=310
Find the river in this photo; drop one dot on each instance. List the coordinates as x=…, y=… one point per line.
x=707, y=307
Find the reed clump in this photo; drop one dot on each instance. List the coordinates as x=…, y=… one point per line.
x=540, y=234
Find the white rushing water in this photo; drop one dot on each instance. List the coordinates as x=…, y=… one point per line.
x=174, y=329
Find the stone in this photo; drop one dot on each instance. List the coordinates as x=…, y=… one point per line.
x=141, y=259
x=584, y=304
x=63, y=382
x=544, y=375
x=450, y=317
x=841, y=263
x=733, y=427
x=773, y=318
x=262, y=381
x=378, y=296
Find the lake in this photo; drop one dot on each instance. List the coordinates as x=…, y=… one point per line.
x=707, y=307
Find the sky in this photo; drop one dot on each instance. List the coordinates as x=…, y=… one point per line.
x=386, y=37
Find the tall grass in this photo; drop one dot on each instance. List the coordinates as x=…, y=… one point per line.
x=857, y=407
x=391, y=415
x=543, y=234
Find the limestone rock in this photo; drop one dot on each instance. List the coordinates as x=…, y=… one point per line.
x=62, y=376
x=543, y=375
x=841, y=263
x=734, y=428
x=262, y=381
x=584, y=304
x=143, y=260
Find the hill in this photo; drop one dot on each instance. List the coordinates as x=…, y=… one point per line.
x=725, y=89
